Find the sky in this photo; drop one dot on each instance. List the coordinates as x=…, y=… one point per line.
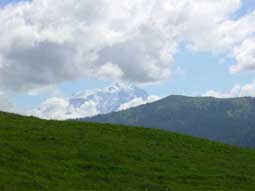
x=190, y=47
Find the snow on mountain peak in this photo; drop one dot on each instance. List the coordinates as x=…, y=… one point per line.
x=109, y=99
x=99, y=101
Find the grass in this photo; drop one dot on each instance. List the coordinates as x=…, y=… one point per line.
x=39, y=155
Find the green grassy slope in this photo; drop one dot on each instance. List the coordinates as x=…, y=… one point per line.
x=38, y=155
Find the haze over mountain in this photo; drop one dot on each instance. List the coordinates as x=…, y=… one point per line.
x=99, y=101
x=229, y=120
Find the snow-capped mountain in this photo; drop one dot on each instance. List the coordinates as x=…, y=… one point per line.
x=109, y=99
x=93, y=102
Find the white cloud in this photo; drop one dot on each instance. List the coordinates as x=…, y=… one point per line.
x=47, y=42
x=245, y=57
x=110, y=70
x=60, y=109
x=138, y=101
x=236, y=91
x=52, y=90
x=53, y=108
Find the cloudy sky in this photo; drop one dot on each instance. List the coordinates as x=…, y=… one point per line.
x=191, y=47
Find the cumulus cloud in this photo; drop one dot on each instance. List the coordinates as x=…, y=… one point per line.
x=60, y=109
x=247, y=90
x=245, y=57
x=138, y=101
x=47, y=42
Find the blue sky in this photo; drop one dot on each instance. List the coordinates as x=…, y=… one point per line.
x=192, y=73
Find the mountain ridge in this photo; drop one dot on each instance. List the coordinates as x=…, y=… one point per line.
x=89, y=103
x=111, y=98
x=227, y=120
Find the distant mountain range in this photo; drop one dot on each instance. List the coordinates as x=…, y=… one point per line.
x=229, y=121
x=89, y=103
x=109, y=99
